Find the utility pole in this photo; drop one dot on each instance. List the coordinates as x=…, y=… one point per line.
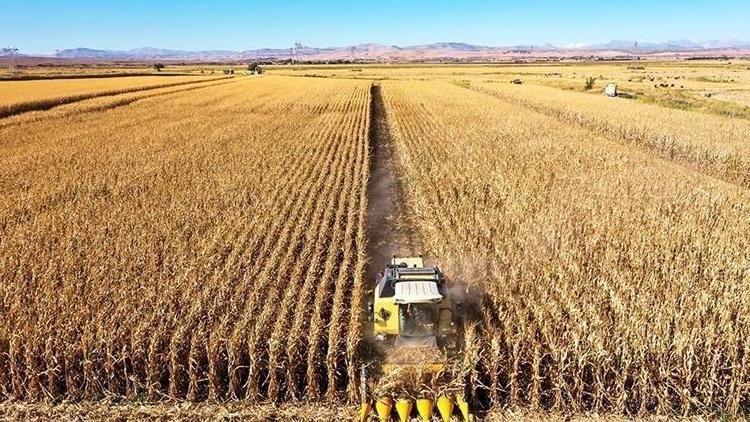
x=13, y=52
x=298, y=51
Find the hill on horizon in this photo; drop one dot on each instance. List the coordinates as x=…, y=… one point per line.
x=447, y=50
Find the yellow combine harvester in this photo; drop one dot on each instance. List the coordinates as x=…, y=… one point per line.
x=413, y=308
x=418, y=322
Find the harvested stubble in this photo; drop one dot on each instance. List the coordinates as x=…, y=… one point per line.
x=181, y=246
x=612, y=280
x=117, y=412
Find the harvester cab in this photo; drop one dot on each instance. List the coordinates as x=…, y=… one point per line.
x=412, y=306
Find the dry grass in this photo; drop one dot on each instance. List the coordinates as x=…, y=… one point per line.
x=685, y=81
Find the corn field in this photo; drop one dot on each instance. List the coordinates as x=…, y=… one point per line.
x=718, y=148
x=610, y=279
x=195, y=246
x=205, y=240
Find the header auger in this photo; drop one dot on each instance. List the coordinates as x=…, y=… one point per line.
x=417, y=327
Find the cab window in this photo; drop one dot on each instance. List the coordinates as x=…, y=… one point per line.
x=417, y=319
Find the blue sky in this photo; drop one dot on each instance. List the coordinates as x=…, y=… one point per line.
x=44, y=26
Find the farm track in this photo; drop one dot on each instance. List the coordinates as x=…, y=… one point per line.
x=387, y=232
x=50, y=103
x=393, y=230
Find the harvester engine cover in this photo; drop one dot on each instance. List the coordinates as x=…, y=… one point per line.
x=412, y=305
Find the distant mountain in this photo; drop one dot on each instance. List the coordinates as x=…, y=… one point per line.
x=732, y=43
x=87, y=53
x=675, y=45
x=145, y=53
x=439, y=50
x=448, y=46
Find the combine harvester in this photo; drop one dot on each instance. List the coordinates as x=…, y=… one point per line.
x=417, y=326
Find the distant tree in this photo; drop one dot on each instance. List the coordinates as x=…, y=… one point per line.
x=589, y=83
x=158, y=66
x=254, y=68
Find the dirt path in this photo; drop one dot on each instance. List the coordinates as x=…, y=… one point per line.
x=385, y=216
x=389, y=233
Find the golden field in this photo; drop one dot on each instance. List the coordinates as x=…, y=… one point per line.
x=205, y=240
x=598, y=264
x=22, y=96
x=683, y=85
x=719, y=148
x=187, y=211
